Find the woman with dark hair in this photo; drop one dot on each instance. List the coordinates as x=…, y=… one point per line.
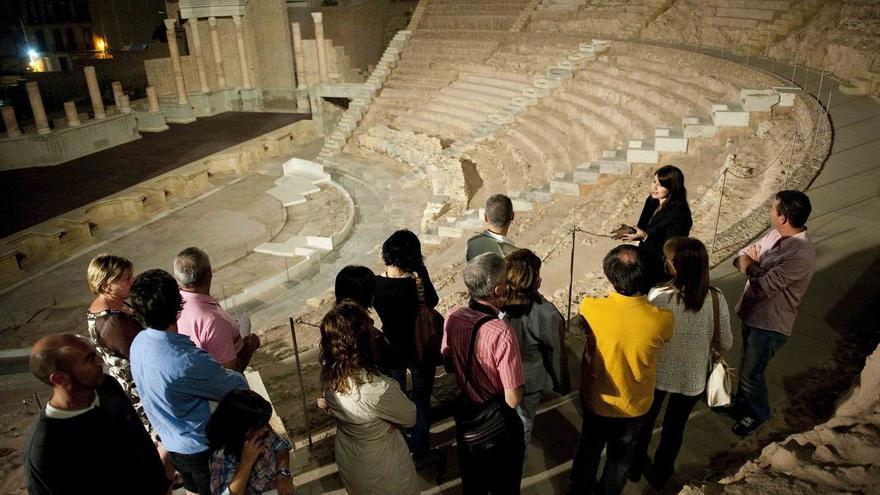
x=356, y=283
x=683, y=362
x=666, y=214
x=248, y=457
x=397, y=303
x=539, y=328
x=369, y=407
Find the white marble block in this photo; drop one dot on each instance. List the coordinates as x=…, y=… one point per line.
x=758, y=100
x=587, y=173
x=639, y=151
x=729, y=116
x=670, y=140
x=787, y=95
x=694, y=127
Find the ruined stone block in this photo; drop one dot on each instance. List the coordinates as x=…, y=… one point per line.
x=670, y=140
x=729, y=116
x=587, y=173
x=694, y=127
x=787, y=95
x=758, y=100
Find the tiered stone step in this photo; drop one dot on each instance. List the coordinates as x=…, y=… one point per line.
x=464, y=104
x=335, y=142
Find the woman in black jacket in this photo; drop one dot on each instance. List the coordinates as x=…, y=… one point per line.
x=397, y=303
x=666, y=214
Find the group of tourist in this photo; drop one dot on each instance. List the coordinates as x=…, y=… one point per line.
x=169, y=353
x=174, y=350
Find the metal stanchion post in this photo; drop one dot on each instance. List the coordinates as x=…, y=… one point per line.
x=574, y=231
x=302, y=386
x=718, y=215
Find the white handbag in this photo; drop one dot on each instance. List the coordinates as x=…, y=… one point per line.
x=719, y=387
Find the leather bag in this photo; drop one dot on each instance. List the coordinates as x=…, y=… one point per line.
x=483, y=426
x=428, y=330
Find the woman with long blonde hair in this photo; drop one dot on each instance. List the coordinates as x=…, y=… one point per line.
x=369, y=407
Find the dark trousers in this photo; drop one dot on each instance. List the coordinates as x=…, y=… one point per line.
x=678, y=410
x=597, y=432
x=759, y=346
x=417, y=437
x=497, y=470
x=195, y=471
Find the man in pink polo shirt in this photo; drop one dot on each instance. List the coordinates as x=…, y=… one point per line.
x=496, y=371
x=202, y=319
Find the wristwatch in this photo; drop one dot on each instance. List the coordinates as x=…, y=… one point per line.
x=285, y=472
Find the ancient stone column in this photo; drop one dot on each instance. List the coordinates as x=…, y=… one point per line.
x=152, y=99
x=197, y=52
x=124, y=104
x=218, y=55
x=10, y=121
x=95, y=93
x=302, y=99
x=71, y=114
x=298, y=57
x=116, y=86
x=242, y=55
x=319, y=43
x=33, y=92
x=174, y=51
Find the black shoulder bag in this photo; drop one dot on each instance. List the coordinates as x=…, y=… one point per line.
x=483, y=426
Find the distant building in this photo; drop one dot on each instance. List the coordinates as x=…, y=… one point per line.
x=50, y=35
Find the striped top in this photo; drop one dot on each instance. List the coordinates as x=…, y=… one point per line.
x=497, y=363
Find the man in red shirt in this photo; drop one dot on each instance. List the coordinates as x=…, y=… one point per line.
x=496, y=371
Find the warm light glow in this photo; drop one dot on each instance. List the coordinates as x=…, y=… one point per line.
x=35, y=63
x=100, y=44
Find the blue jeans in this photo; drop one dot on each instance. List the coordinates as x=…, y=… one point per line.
x=422, y=377
x=758, y=347
x=526, y=411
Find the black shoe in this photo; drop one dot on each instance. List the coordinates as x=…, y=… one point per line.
x=735, y=411
x=747, y=425
x=656, y=479
x=637, y=467
x=432, y=456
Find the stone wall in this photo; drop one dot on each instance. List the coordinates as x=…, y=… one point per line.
x=270, y=46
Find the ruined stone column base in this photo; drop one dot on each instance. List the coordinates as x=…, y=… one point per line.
x=151, y=121
x=67, y=143
x=251, y=99
x=175, y=113
x=214, y=102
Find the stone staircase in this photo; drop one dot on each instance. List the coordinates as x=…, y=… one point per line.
x=524, y=16
x=417, y=15
x=334, y=143
x=794, y=18
x=653, y=11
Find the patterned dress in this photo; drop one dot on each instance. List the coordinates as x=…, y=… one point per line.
x=112, y=332
x=224, y=465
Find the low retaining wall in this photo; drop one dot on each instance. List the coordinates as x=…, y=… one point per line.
x=23, y=252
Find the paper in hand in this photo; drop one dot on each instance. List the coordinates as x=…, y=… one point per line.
x=244, y=324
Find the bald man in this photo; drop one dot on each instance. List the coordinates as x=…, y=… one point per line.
x=88, y=438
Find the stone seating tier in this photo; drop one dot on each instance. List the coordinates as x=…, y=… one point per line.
x=473, y=8
x=470, y=22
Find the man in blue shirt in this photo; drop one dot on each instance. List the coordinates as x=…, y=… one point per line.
x=176, y=379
